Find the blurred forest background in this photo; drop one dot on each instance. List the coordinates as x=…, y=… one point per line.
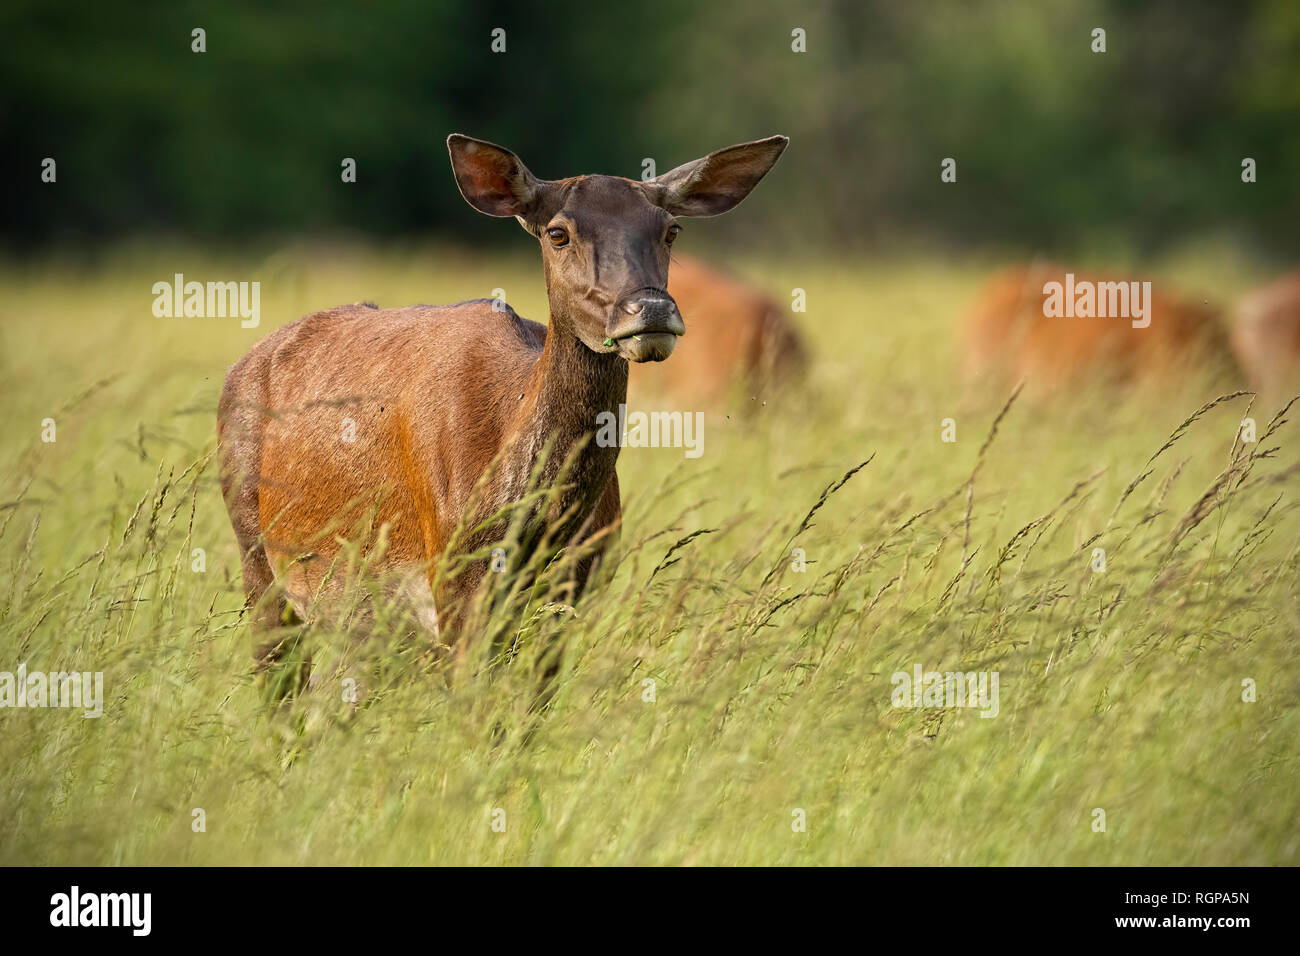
x=1058, y=148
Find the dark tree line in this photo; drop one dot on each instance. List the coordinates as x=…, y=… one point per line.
x=1055, y=144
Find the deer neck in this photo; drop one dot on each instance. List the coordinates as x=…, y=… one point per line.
x=568, y=389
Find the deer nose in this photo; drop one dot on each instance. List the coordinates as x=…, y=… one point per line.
x=646, y=312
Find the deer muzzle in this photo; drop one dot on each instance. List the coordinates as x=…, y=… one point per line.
x=645, y=325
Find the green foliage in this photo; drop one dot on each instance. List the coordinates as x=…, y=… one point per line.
x=1057, y=147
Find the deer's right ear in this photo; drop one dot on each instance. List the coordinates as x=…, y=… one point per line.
x=493, y=180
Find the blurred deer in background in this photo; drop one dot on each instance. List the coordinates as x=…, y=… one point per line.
x=742, y=342
x=426, y=422
x=1266, y=337
x=1007, y=335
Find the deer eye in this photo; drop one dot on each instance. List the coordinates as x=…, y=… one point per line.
x=672, y=234
x=558, y=236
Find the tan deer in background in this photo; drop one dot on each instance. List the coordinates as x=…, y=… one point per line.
x=742, y=345
x=1005, y=334
x=1266, y=337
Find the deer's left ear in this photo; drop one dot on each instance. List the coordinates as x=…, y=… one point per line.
x=719, y=181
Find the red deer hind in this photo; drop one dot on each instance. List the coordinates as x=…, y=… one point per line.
x=401, y=413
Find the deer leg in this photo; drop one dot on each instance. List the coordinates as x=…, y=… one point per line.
x=239, y=436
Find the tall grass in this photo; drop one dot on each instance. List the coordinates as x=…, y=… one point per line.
x=708, y=689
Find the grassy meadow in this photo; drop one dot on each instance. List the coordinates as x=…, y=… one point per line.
x=769, y=687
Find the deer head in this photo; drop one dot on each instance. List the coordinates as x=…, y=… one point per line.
x=605, y=240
